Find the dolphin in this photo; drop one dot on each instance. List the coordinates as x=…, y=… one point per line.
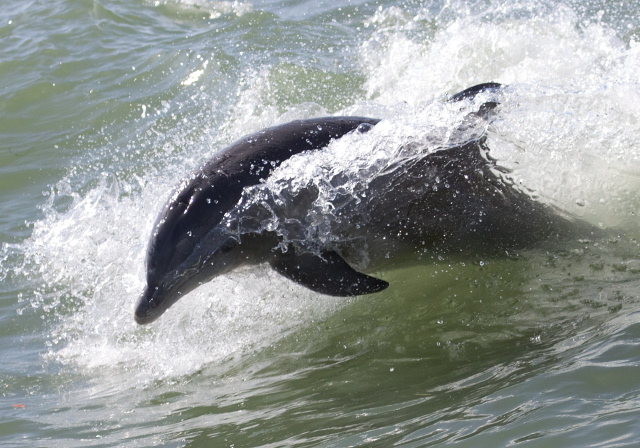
x=475, y=210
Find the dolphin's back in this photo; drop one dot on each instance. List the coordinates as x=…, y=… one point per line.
x=254, y=156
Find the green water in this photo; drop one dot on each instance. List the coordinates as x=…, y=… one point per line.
x=105, y=105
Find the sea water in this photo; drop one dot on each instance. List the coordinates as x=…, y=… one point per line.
x=104, y=107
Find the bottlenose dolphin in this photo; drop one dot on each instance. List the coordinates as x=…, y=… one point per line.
x=450, y=200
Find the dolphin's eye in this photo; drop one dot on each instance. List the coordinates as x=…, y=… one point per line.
x=363, y=128
x=228, y=244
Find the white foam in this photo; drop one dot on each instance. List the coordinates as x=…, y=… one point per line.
x=568, y=125
x=95, y=253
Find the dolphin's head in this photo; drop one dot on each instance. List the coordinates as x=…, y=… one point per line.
x=168, y=282
x=188, y=247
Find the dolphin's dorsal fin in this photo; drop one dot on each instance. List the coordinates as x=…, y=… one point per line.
x=326, y=273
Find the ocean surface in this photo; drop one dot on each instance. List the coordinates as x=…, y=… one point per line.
x=106, y=104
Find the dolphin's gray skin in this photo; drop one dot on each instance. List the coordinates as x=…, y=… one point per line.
x=479, y=212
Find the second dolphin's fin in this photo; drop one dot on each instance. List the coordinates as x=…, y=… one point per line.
x=471, y=92
x=326, y=273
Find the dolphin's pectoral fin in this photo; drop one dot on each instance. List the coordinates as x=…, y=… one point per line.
x=326, y=274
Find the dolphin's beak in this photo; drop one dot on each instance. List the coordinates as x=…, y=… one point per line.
x=147, y=309
x=159, y=296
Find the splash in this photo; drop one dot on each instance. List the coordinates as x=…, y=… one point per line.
x=567, y=131
x=92, y=258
